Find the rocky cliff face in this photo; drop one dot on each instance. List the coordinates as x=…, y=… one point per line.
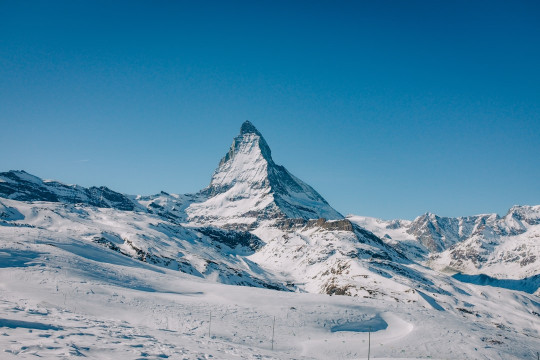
x=19, y=185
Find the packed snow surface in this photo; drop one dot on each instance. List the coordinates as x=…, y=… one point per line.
x=59, y=301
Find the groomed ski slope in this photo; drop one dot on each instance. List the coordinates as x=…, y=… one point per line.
x=61, y=298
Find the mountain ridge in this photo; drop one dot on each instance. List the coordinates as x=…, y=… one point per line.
x=249, y=193
x=474, y=280
x=501, y=247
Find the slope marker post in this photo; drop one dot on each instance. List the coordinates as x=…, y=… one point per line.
x=210, y=325
x=273, y=327
x=369, y=344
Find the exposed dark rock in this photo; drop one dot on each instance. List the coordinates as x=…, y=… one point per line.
x=330, y=225
x=19, y=185
x=232, y=238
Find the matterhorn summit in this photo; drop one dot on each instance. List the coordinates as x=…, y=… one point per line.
x=248, y=186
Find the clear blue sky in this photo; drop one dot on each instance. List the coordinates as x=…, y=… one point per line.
x=387, y=108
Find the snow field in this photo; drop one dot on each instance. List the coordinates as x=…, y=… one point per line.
x=56, y=303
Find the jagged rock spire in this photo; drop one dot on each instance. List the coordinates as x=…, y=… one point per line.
x=248, y=128
x=249, y=186
x=250, y=141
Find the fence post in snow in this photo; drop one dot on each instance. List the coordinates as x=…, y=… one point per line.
x=210, y=325
x=273, y=326
x=369, y=344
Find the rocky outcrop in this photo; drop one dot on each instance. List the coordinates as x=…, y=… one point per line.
x=232, y=238
x=323, y=224
x=19, y=185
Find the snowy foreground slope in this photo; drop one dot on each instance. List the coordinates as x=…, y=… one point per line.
x=66, y=297
x=93, y=272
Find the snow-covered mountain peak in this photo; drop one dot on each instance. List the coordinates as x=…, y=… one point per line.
x=528, y=214
x=17, y=175
x=248, y=128
x=248, y=186
x=246, y=161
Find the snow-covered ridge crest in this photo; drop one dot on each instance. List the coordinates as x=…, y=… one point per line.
x=248, y=186
x=19, y=185
x=501, y=247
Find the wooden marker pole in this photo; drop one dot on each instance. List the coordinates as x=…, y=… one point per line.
x=369, y=344
x=210, y=325
x=273, y=327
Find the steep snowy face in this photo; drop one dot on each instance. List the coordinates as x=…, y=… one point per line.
x=248, y=186
x=520, y=218
x=247, y=162
x=434, y=232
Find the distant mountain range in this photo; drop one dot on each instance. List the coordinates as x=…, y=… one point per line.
x=256, y=224
x=487, y=247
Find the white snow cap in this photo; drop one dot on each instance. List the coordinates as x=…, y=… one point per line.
x=248, y=185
